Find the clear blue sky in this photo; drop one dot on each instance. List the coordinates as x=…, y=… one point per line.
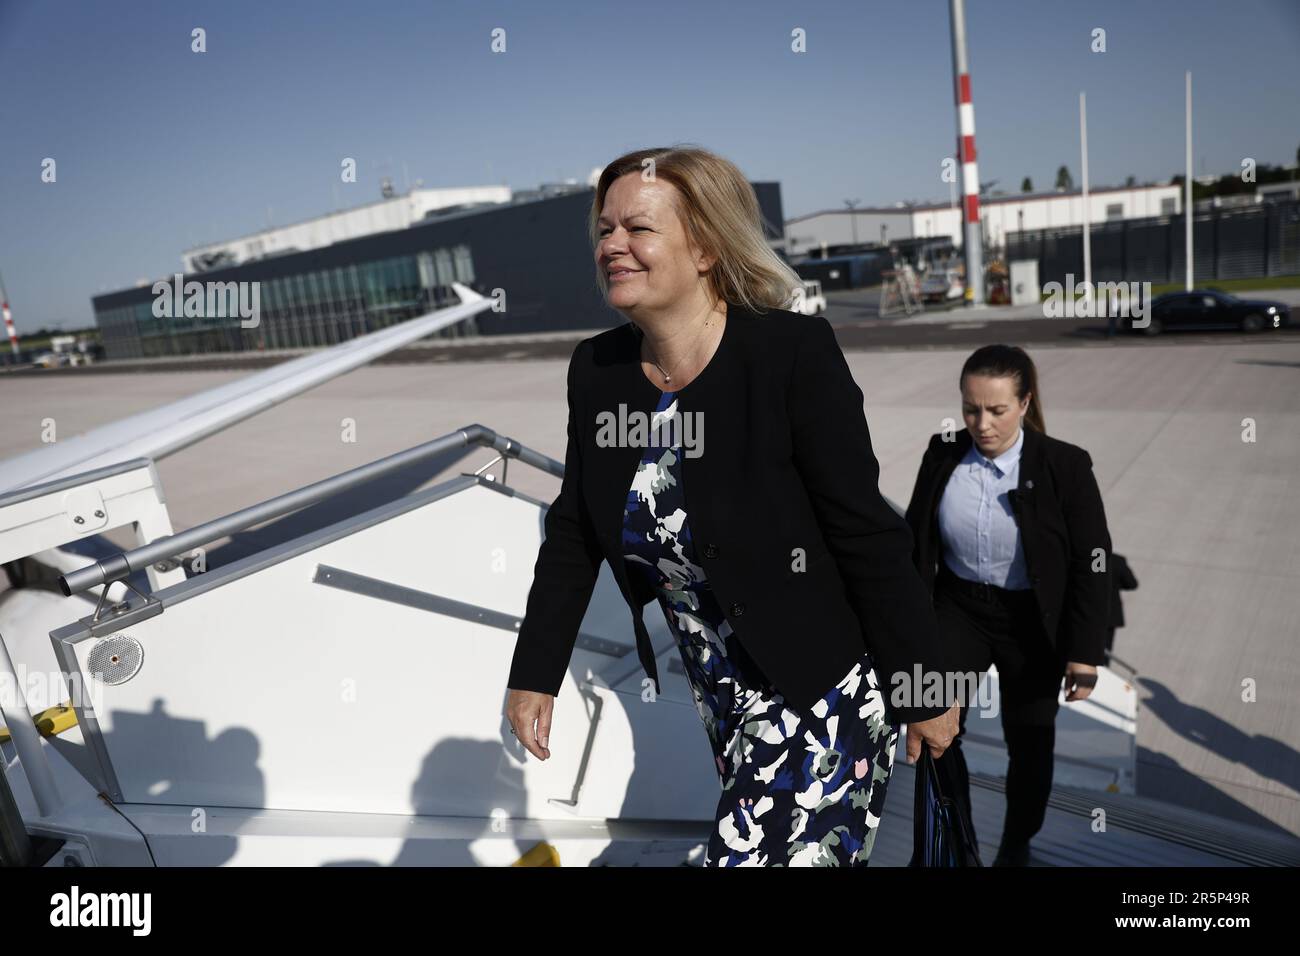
x=159, y=149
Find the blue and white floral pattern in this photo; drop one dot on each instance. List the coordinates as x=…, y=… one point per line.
x=798, y=789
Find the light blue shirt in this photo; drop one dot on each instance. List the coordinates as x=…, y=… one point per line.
x=981, y=540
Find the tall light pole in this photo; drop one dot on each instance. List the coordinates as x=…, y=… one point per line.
x=972, y=246
x=1187, y=186
x=853, y=217
x=1087, y=213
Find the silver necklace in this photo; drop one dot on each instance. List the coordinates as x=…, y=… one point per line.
x=668, y=378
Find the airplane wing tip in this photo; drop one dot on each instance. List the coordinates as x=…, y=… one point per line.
x=466, y=293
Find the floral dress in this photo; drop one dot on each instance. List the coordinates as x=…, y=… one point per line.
x=798, y=788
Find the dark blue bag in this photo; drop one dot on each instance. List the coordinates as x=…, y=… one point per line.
x=942, y=834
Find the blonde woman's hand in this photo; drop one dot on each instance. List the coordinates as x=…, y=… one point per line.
x=529, y=713
x=1080, y=679
x=937, y=733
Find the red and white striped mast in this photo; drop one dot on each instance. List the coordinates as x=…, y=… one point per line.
x=9, y=320
x=973, y=240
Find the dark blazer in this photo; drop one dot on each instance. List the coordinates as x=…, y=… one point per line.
x=787, y=463
x=1057, y=506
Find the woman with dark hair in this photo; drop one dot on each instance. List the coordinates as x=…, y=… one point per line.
x=1011, y=537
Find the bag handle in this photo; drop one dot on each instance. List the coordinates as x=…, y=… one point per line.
x=957, y=810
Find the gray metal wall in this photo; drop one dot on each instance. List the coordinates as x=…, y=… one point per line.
x=1251, y=242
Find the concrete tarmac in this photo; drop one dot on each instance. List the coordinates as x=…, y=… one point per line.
x=1209, y=521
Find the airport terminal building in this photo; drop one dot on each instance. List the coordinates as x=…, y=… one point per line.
x=1000, y=216
x=361, y=270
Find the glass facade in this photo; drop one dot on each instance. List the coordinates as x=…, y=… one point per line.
x=300, y=310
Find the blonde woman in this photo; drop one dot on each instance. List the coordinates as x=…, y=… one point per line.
x=784, y=575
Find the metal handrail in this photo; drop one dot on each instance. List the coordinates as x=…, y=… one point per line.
x=15, y=844
x=23, y=733
x=120, y=566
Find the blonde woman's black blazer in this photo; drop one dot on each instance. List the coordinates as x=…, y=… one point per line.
x=1057, y=506
x=787, y=464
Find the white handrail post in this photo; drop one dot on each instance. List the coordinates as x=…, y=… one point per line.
x=27, y=740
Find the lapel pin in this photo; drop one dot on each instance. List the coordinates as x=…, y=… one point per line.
x=1029, y=483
